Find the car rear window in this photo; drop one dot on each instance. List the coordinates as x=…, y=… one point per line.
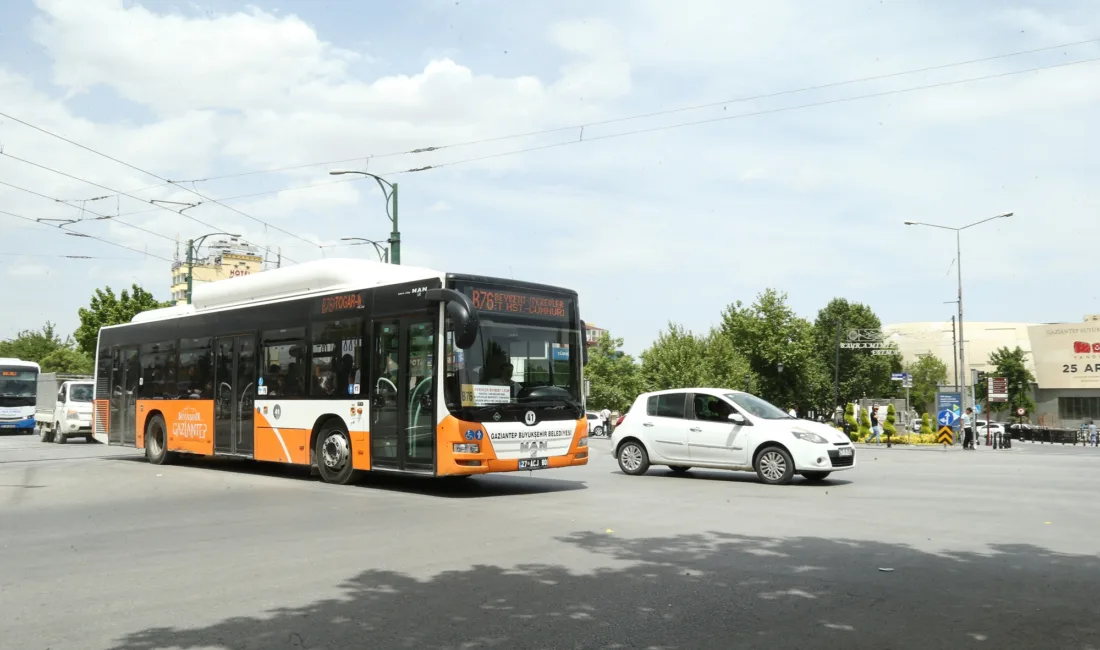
x=670, y=405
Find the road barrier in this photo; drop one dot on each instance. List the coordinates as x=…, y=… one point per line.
x=1044, y=435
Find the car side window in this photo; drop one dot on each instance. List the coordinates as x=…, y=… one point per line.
x=709, y=408
x=670, y=405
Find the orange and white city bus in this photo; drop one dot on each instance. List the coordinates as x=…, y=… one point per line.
x=350, y=365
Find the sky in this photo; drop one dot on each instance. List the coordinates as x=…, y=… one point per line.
x=654, y=211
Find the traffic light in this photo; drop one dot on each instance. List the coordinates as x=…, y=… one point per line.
x=979, y=376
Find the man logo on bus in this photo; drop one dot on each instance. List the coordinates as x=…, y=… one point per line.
x=529, y=418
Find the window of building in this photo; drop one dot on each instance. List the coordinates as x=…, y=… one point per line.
x=284, y=363
x=196, y=369
x=158, y=371
x=1079, y=408
x=335, y=358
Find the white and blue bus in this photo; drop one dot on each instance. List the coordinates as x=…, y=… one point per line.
x=18, y=390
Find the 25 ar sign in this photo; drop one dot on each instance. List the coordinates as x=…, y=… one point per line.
x=1072, y=367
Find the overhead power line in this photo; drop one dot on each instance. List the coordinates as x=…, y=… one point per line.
x=69, y=257
x=87, y=236
x=640, y=116
x=149, y=173
x=153, y=202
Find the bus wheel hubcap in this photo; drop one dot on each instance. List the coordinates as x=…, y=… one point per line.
x=335, y=451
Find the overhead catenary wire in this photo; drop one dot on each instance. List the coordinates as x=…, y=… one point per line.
x=152, y=202
x=149, y=173
x=87, y=236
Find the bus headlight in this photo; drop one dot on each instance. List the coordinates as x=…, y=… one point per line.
x=467, y=448
x=583, y=442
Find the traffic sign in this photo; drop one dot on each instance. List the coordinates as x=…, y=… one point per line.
x=947, y=417
x=998, y=389
x=900, y=376
x=949, y=402
x=946, y=436
x=1020, y=411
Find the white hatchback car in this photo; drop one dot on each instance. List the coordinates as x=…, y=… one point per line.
x=726, y=429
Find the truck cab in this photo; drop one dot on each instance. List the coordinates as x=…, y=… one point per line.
x=71, y=412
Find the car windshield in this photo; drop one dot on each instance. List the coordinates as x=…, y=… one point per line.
x=757, y=407
x=80, y=393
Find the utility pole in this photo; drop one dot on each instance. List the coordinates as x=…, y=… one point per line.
x=190, y=267
x=389, y=191
x=836, y=368
x=395, y=234
x=954, y=353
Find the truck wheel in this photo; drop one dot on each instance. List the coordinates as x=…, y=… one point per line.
x=44, y=434
x=156, y=442
x=58, y=436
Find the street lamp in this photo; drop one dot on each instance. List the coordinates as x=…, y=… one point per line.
x=193, y=246
x=383, y=253
x=958, y=266
x=389, y=190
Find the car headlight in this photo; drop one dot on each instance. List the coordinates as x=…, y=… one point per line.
x=72, y=414
x=810, y=437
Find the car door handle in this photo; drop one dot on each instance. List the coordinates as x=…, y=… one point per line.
x=695, y=429
x=647, y=424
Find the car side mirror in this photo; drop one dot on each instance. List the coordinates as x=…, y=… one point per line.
x=738, y=419
x=461, y=310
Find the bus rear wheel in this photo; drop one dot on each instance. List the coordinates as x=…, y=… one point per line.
x=156, y=442
x=333, y=455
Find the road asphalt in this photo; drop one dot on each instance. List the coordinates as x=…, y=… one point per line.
x=909, y=550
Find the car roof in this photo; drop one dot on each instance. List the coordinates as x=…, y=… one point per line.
x=704, y=390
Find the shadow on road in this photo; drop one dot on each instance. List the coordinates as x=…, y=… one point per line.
x=477, y=487
x=694, y=591
x=736, y=477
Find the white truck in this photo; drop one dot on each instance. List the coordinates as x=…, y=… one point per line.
x=64, y=408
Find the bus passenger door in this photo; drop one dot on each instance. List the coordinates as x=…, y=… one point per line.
x=402, y=424
x=235, y=396
x=125, y=381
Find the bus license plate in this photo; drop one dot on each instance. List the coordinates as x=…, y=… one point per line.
x=534, y=463
x=845, y=451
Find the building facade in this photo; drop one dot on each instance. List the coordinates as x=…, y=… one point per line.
x=225, y=259
x=1063, y=357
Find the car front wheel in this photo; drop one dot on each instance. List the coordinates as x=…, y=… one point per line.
x=774, y=466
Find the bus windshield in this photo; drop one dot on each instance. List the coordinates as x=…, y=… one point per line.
x=518, y=362
x=17, y=386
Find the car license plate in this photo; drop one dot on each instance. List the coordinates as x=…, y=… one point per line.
x=845, y=451
x=534, y=463
x=7, y=426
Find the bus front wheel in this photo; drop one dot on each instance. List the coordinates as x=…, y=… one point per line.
x=333, y=455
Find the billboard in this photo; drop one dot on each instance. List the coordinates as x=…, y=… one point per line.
x=1066, y=356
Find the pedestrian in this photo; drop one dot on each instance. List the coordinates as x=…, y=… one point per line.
x=876, y=428
x=968, y=428
x=1092, y=434
x=605, y=414
x=791, y=412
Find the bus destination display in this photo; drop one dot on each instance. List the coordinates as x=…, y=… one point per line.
x=343, y=302
x=518, y=303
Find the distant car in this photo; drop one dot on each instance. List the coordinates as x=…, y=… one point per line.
x=725, y=429
x=994, y=428
x=595, y=423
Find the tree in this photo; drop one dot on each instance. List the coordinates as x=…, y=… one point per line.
x=613, y=375
x=890, y=426
x=928, y=373
x=864, y=424
x=1012, y=365
x=46, y=348
x=681, y=359
x=850, y=420
x=106, y=309
x=767, y=334
x=862, y=374
x=925, y=425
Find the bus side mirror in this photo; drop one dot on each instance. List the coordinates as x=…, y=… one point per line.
x=461, y=310
x=584, y=344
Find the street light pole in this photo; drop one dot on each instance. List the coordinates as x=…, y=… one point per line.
x=383, y=252
x=958, y=264
x=193, y=246
x=389, y=190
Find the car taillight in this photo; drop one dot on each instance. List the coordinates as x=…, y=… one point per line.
x=620, y=420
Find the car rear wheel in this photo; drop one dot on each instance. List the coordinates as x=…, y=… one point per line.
x=774, y=466
x=633, y=458
x=597, y=432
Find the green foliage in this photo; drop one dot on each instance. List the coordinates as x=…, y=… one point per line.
x=613, y=375
x=889, y=427
x=681, y=359
x=1011, y=365
x=48, y=349
x=850, y=420
x=768, y=333
x=861, y=373
x=107, y=309
x=928, y=372
x=925, y=425
x=864, y=423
